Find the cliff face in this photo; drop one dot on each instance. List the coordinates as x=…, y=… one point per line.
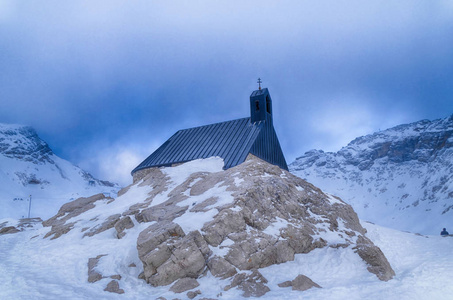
x=195, y=222
x=395, y=177
x=22, y=143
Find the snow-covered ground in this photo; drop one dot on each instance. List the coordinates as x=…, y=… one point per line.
x=32, y=267
x=36, y=268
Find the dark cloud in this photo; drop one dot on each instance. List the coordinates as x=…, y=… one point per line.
x=106, y=82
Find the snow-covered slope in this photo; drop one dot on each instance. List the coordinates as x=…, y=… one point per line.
x=33, y=266
x=400, y=177
x=28, y=167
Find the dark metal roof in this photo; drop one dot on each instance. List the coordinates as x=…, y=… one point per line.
x=231, y=140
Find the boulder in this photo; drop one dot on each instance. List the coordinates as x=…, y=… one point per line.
x=253, y=285
x=303, y=283
x=193, y=294
x=114, y=287
x=376, y=260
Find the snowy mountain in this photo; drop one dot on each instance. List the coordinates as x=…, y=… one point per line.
x=401, y=177
x=29, y=169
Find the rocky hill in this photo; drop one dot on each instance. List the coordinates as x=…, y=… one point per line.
x=29, y=167
x=196, y=230
x=401, y=177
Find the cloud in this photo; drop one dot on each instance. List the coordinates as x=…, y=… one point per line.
x=106, y=73
x=115, y=162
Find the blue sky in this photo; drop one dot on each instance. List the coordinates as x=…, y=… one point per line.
x=106, y=82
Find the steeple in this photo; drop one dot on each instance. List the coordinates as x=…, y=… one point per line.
x=260, y=106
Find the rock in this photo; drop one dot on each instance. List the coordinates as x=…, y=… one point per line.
x=188, y=259
x=168, y=254
x=376, y=260
x=73, y=208
x=253, y=285
x=226, y=222
x=161, y=212
x=157, y=234
x=193, y=294
x=59, y=230
x=114, y=287
x=58, y=223
x=272, y=216
x=256, y=215
x=107, y=224
x=122, y=224
x=303, y=283
x=285, y=284
x=9, y=230
x=184, y=284
x=94, y=275
x=221, y=268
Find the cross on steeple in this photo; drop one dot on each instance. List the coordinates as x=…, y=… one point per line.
x=259, y=83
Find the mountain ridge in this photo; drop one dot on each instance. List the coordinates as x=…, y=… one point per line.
x=30, y=169
x=397, y=175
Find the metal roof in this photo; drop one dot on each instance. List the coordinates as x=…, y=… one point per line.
x=231, y=140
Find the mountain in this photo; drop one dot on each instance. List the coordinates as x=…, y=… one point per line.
x=401, y=177
x=29, y=169
x=197, y=231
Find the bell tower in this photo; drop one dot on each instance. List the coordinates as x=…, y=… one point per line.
x=260, y=106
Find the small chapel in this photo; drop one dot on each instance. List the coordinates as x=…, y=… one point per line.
x=231, y=140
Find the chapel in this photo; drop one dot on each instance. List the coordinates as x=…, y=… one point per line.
x=232, y=140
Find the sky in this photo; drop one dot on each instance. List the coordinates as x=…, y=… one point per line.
x=105, y=83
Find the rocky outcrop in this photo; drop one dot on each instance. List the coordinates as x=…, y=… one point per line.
x=227, y=224
x=272, y=216
x=168, y=254
x=68, y=211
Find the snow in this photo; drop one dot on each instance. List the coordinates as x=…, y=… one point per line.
x=180, y=173
x=65, y=182
x=222, y=249
x=423, y=267
x=274, y=228
x=35, y=268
